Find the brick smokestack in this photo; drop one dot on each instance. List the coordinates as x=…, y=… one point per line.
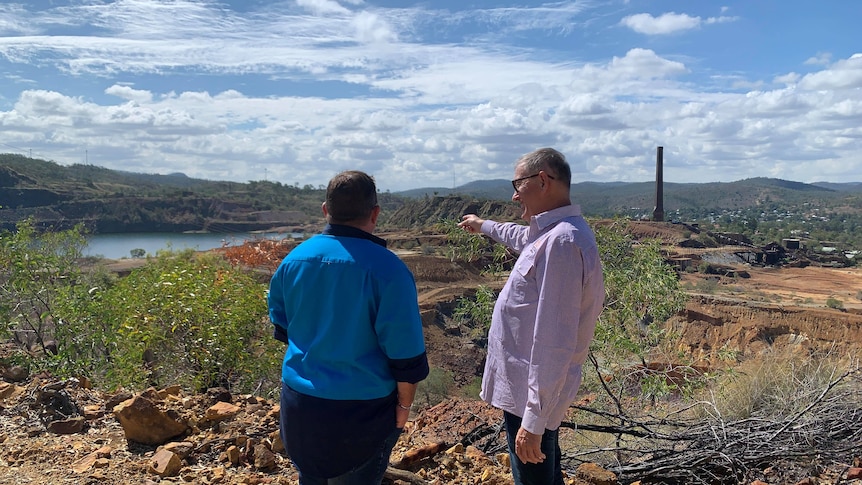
x=658, y=212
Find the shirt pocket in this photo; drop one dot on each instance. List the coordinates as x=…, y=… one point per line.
x=523, y=278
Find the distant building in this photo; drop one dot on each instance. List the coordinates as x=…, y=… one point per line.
x=792, y=243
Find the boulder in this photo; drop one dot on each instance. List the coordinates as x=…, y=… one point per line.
x=143, y=422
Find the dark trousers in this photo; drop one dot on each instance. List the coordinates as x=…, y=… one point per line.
x=370, y=472
x=549, y=472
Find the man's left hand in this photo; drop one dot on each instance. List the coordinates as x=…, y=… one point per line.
x=528, y=447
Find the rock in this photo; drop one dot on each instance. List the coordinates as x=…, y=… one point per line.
x=67, y=426
x=96, y=459
x=143, y=422
x=170, y=391
x=112, y=402
x=219, y=394
x=263, y=458
x=221, y=411
x=232, y=455
x=15, y=373
x=182, y=448
x=275, y=412
x=854, y=473
x=477, y=456
x=595, y=475
x=165, y=463
x=10, y=391
x=93, y=412
x=277, y=444
x=456, y=449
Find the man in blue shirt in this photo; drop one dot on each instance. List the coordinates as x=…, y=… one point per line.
x=347, y=308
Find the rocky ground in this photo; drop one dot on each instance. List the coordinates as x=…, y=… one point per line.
x=232, y=439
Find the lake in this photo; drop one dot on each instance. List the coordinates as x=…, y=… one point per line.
x=117, y=246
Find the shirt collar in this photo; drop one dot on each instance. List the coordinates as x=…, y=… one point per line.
x=553, y=216
x=350, y=231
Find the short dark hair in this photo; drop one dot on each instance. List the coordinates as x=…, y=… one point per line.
x=549, y=160
x=351, y=196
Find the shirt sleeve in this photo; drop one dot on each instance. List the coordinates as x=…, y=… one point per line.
x=275, y=301
x=398, y=326
x=559, y=276
x=507, y=233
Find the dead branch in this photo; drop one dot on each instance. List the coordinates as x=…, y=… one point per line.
x=414, y=455
x=393, y=473
x=710, y=449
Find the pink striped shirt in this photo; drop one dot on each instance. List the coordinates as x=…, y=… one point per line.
x=544, y=318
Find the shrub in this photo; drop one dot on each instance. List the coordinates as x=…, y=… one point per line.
x=475, y=313
x=834, y=303
x=37, y=273
x=183, y=318
x=772, y=385
x=436, y=387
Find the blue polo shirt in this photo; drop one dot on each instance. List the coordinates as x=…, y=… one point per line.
x=347, y=308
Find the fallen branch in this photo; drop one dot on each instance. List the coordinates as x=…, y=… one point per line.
x=393, y=473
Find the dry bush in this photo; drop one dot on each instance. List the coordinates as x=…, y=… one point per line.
x=775, y=384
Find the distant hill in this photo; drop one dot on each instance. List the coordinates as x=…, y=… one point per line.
x=106, y=200
x=605, y=199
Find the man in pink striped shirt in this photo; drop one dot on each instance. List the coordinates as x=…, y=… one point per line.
x=544, y=317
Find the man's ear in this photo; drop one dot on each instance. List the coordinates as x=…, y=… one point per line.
x=323, y=208
x=375, y=212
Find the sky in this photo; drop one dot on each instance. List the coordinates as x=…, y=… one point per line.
x=436, y=93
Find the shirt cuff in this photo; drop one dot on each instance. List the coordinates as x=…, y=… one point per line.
x=280, y=333
x=410, y=370
x=534, y=424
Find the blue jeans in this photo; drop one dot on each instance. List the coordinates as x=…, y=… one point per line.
x=549, y=472
x=369, y=473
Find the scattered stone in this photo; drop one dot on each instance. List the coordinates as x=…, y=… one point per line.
x=232, y=455
x=96, y=459
x=277, y=443
x=152, y=394
x=854, y=473
x=15, y=373
x=275, y=412
x=182, y=448
x=145, y=423
x=93, y=412
x=477, y=456
x=263, y=458
x=170, y=391
x=67, y=426
x=112, y=401
x=221, y=411
x=10, y=391
x=457, y=449
x=165, y=463
x=595, y=475
x=219, y=394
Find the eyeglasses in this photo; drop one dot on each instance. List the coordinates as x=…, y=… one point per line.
x=517, y=183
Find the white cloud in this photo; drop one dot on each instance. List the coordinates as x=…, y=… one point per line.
x=130, y=94
x=417, y=95
x=323, y=7
x=667, y=23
